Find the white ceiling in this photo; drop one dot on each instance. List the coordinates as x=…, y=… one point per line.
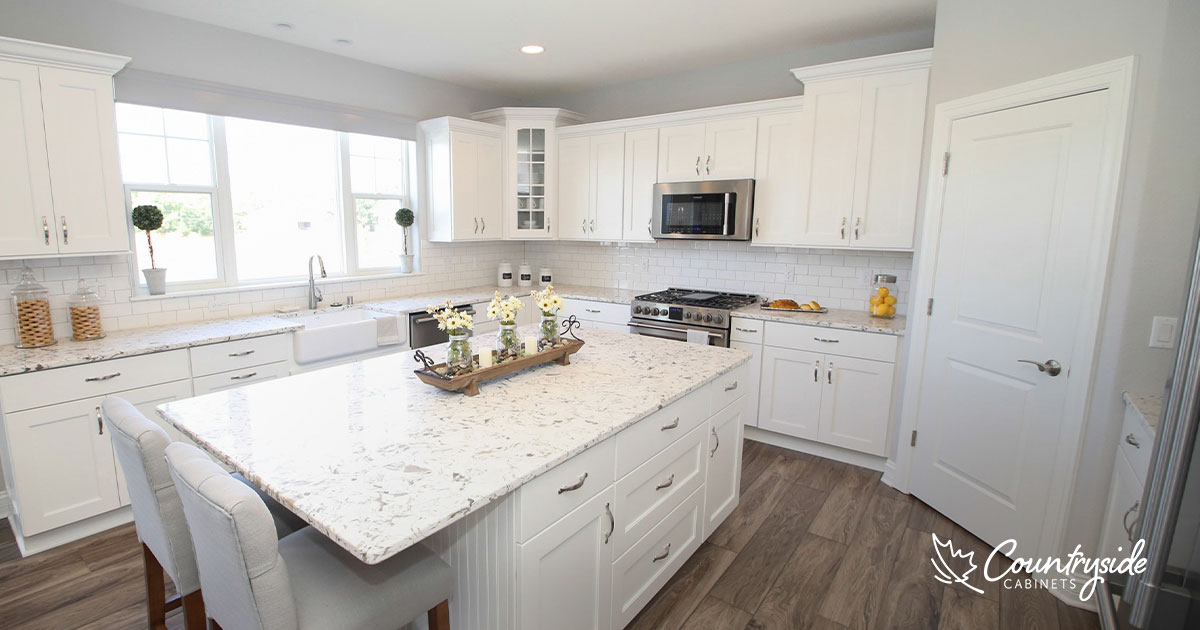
x=589, y=43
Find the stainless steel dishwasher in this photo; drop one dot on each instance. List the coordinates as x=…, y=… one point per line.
x=423, y=329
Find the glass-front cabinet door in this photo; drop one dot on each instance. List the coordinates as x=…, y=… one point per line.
x=531, y=180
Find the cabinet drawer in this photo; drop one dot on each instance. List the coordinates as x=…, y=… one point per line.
x=26, y=391
x=646, y=495
x=238, y=378
x=235, y=355
x=849, y=343
x=637, y=444
x=647, y=566
x=748, y=330
x=729, y=387
x=1136, y=442
x=606, y=312
x=563, y=488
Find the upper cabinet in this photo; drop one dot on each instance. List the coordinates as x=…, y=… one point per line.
x=463, y=170
x=719, y=149
x=60, y=188
x=530, y=167
x=860, y=149
x=641, y=173
x=591, y=187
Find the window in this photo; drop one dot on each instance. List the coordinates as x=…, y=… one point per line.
x=247, y=202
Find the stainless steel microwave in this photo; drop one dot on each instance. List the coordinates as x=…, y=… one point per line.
x=716, y=209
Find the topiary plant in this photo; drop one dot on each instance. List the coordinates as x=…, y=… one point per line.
x=404, y=218
x=148, y=218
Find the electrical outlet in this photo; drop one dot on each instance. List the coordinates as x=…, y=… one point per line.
x=1162, y=332
x=864, y=277
x=789, y=273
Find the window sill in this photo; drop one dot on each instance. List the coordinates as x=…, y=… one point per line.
x=286, y=284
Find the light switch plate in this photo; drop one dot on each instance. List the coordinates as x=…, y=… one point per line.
x=1162, y=332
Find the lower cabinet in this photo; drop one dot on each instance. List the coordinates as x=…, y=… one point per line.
x=790, y=392
x=597, y=315
x=647, y=566
x=724, y=466
x=856, y=404
x=238, y=378
x=753, y=377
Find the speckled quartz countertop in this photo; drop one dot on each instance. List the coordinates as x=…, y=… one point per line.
x=836, y=318
x=378, y=461
x=1149, y=406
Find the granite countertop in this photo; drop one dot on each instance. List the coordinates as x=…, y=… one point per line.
x=845, y=319
x=1148, y=406
x=378, y=461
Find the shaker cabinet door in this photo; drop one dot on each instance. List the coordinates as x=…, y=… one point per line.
x=681, y=153
x=829, y=137
x=753, y=379
x=26, y=207
x=777, y=180
x=489, y=187
x=729, y=148
x=607, y=157
x=856, y=404
x=574, y=187
x=790, y=393
x=641, y=173
x=724, y=465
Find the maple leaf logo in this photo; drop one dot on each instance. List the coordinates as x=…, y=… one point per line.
x=943, y=553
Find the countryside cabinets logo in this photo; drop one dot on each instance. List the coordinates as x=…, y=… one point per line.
x=955, y=567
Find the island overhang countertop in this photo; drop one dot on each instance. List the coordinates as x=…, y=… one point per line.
x=378, y=461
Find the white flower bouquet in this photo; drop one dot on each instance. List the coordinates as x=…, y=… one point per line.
x=450, y=320
x=505, y=309
x=547, y=300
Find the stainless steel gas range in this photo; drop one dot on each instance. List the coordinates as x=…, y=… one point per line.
x=671, y=314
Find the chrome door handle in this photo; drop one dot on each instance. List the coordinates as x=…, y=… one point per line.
x=592, y=224
x=476, y=225
x=829, y=373
x=756, y=223
x=99, y=421
x=843, y=228
x=666, y=484
x=241, y=354
x=670, y=425
x=547, y=225
x=1133, y=441
x=243, y=377
x=697, y=165
x=730, y=388
x=1125, y=519
x=717, y=445
x=583, y=226
x=612, y=522
x=663, y=556
x=648, y=230
x=575, y=486
x=707, y=168
x=816, y=371
x=64, y=229
x=1051, y=367
x=97, y=379
x=857, y=221
x=46, y=230
x=483, y=222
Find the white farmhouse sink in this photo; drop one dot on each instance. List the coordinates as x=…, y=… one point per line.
x=332, y=334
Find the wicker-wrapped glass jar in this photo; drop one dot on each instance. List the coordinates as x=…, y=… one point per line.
x=31, y=304
x=83, y=308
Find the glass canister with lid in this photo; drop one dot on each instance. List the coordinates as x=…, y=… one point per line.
x=883, y=296
x=31, y=303
x=84, y=309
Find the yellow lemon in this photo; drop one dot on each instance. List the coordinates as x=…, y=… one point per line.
x=875, y=299
x=890, y=300
x=883, y=291
x=891, y=310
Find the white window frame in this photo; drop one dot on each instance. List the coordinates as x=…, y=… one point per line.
x=224, y=232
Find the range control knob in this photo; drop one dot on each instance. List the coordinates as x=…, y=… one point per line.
x=719, y=319
x=708, y=318
x=637, y=309
x=655, y=312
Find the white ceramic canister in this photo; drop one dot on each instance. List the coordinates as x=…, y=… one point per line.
x=504, y=275
x=544, y=277
x=525, y=275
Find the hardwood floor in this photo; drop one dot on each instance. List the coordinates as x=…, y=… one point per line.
x=813, y=545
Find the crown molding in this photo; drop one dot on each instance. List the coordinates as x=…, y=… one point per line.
x=462, y=124
x=55, y=56
x=736, y=110
x=867, y=65
x=499, y=115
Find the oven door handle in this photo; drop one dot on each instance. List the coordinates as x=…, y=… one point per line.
x=674, y=330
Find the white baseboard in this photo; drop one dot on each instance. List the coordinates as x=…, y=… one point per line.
x=889, y=476
x=835, y=453
x=5, y=504
x=37, y=543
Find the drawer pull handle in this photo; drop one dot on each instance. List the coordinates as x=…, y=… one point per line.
x=1133, y=441
x=746, y=330
x=97, y=379
x=730, y=388
x=575, y=486
x=100, y=421
x=243, y=376
x=673, y=424
x=663, y=556
x=666, y=484
x=716, y=442
x=244, y=353
x=612, y=522
x=824, y=340
x=1125, y=520
x=591, y=310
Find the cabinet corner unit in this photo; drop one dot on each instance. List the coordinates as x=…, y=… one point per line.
x=61, y=194
x=530, y=165
x=462, y=166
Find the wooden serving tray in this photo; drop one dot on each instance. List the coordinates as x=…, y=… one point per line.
x=469, y=383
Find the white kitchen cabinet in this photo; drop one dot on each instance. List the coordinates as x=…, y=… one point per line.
x=753, y=377
x=463, y=165
x=856, y=403
x=724, y=472
x=238, y=378
x=145, y=399
x=565, y=571
x=718, y=149
x=777, y=182
x=790, y=392
x=1122, y=512
x=862, y=127
x=60, y=193
x=641, y=173
x=591, y=193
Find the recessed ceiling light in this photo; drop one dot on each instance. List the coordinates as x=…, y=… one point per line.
x=343, y=42
x=533, y=49
x=283, y=26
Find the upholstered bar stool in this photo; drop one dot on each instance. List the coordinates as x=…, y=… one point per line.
x=158, y=515
x=301, y=582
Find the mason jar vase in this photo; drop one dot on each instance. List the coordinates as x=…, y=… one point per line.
x=459, y=358
x=548, y=332
x=508, y=344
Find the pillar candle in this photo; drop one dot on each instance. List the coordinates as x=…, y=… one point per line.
x=530, y=345
x=485, y=358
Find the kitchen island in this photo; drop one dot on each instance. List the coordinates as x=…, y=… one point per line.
x=589, y=483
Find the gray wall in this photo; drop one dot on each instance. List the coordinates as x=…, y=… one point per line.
x=986, y=45
x=225, y=72
x=753, y=80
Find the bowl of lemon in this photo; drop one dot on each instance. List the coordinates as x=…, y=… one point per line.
x=883, y=303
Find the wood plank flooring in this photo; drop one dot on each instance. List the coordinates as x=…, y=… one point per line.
x=813, y=545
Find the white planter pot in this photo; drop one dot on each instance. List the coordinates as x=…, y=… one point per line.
x=156, y=280
x=406, y=263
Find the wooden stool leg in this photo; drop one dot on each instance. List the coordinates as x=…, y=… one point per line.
x=193, y=612
x=156, y=591
x=439, y=616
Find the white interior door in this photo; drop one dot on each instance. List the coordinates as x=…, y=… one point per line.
x=1018, y=224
